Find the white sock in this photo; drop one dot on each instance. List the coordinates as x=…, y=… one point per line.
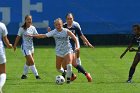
x=78, y=61
x=34, y=70
x=60, y=70
x=26, y=68
x=2, y=80
x=69, y=70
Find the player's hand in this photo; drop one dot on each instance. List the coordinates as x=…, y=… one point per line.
x=132, y=50
x=90, y=45
x=49, y=29
x=10, y=46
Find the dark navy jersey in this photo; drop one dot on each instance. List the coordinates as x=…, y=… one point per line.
x=76, y=30
x=135, y=40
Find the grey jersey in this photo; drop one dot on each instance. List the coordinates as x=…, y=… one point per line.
x=61, y=40
x=26, y=40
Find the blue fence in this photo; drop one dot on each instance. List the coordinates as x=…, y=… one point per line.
x=94, y=16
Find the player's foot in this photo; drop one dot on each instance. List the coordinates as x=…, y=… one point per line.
x=23, y=77
x=38, y=77
x=88, y=76
x=73, y=77
x=129, y=81
x=68, y=80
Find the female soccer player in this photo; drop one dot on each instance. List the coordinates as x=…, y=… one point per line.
x=3, y=35
x=135, y=39
x=75, y=28
x=63, y=46
x=27, y=46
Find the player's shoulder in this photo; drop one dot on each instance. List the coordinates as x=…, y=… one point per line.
x=32, y=27
x=2, y=24
x=76, y=23
x=65, y=29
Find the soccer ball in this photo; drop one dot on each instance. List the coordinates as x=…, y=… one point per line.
x=59, y=80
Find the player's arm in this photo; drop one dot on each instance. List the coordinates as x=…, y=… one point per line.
x=126, y=50
x=16, y=42
x=6, y=41
x=38, y=36
x=74, y=38
x=86, y=42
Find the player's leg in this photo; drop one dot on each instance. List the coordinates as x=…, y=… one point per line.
x=2, y=75
x=59, y=61
x=68, y=60
x=81, y=69
x=64, y=65
x=133, y=67
x=30, y=60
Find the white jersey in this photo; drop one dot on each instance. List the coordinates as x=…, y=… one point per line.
x=26, y=40
x=3, y=32
x=62, y=42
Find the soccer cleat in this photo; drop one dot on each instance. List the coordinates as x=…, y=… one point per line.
x=88, y=76
x=23, y=77
x=73, y=77
x=129, y=81
x=38, y=77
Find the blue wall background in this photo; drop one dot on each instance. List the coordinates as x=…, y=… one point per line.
x=94, y=16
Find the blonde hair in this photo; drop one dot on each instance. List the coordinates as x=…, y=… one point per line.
x=58, y=19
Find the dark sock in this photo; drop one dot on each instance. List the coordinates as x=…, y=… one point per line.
x=64, y=74
x=131, y=72
x=81, y=69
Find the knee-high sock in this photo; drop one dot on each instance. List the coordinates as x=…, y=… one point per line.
x=81, y=69
x=78, y=61
x=2, y=80
x=26, y=68
x=131, y=72
x=69, y=70
x=34, y=70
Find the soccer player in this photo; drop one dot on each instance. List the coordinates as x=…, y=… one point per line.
x=27, y=46
x=75, y=28
x=3, y=36
x=63, y=46
x=135, y=39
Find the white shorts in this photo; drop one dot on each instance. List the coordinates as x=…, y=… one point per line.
x=27, y=51
x=64, y=54
x=2, y=56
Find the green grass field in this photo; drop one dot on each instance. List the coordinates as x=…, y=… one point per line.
x=108, y=71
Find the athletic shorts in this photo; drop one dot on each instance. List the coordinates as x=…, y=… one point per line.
x=27, y=50
x=2, y=56
x=62, y=54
